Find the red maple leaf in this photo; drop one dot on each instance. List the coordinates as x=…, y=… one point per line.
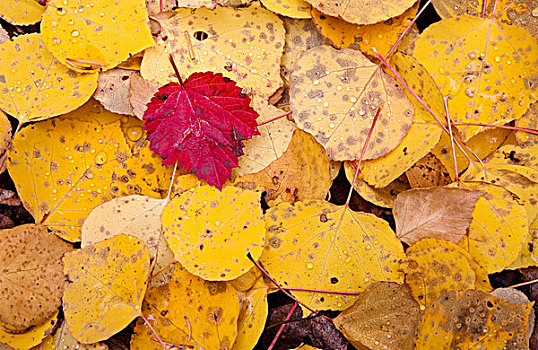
x=200, y=123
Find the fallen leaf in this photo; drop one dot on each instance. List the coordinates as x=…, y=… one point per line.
x=335, y=94
x=252, y=316
x=63, y=339
x=488, y=71
x=301, y=173
x=437, y=212
x=524, y=159
x=33, y=82
x=528, y=255
x=288, y=8
x=5, y=132
x=21, y=12
x=317, y=240
x=529, y=120
x=211, y=33
x=3, y=35
x=154, y=6
x=106, y=284
x=211, y=232
x=428, y=172
x=140, y=93
x=32, y=337
x=98, y=36
x=31, y=276
x=384, y=316
x=468, y=319
x=113, y=89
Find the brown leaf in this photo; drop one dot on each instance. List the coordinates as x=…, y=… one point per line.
x=113, y=90
x=384, y=316
x=31, y=275
x=428, y=172
x=442, y=213
x=141, y=92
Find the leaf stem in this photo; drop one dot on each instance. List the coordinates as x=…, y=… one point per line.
x=277, y=335
x=401, y=36
x=449, y=124
x=275, y=118
x=146, y=321
x=161, y=270
x=171, y=182
x=171, y=58
x=523, y=284
x=517, y=128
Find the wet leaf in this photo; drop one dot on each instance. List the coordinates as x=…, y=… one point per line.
x=33, y=82
x=467, y=319
x=201, y=48
x=528, y=255
x=201, y=125
x=98, y=36
x=252, y=316
x=113, y=89
x=31, y=276
x=528, y=120
x=21, y=12
x=438, y=212
x=71, y=163
x=107, y=282
x=384, y=316
x=335, y=94
x=327, y=247
x=488, y=69
x=32, y=337
x=288, y=8
x=211, y=232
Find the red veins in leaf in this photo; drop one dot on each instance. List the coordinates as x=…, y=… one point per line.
x=201, y=125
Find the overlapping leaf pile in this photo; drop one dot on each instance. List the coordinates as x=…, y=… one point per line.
x=173, y=252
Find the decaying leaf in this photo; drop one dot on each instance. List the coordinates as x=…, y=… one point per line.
x=95, y=36
x=30, y=338
x=211, y=232
x=301, y=173
x=427, y=172
x=469, y=319
x=485, y=68
x=438, y=212
x=35, y=85
x=198, y=38
x=252, y=316
x=107, y=282
x=529, y=120
x=288, y=8
x=5, y=132
x=384, y=316
x=113, y=88
x=63, y=339
x=335, y=94
x=31, y=275
x=140, y=93
x=21, y=12
x=317, y=241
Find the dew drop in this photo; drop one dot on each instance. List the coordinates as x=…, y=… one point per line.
x=54, y=23
x=100, y=158
x=56, y=40
x=315, y=82
x=309, y=266
x=441, y=70
x=61, y=11
x=75, y=33
x=134, y=133
x=469, y=92
x=71, y=22
x=497, y=59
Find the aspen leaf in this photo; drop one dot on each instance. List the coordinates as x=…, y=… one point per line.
x=3, y=35
x=289, y=8
x=107, y=282
x=98, y=36
x=498, y=230
x=113, y=89
x=252, y=316
x=246, y=281
x=270, y=145
x=71, y=163
x=63, y=339
x=362, y=11
x=140, y=93
x=381, y=35
x=427, y=172
x=469, y=319
x=31, y=276
x=384, y=316
x=335, y=94
x=34, y=85
x=383, y=197
x=434, y=266
x=529, y=120
x=317, y=241
x=21, y=12
x=32, y=337
x=137, y=216
x=191, y=312
x=528, y=255
x=523, y=158
x=437, y=212
x=211, y=232
x=488, y=69
x=209, y=34
x=154, y=6
x=301, y=173
x=5, y=132
x=334, y=169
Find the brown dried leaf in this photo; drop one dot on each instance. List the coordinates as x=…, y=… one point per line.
x=140, y=93
x=428, y=172
x=113, y=90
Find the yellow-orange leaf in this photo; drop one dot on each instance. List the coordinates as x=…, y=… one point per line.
x=21, y=12
x=288, y=8
x=252, y=316
x=32, y=337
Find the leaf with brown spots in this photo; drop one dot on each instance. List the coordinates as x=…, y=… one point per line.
x=31, y=275
x=252, y=316
x=288, y=8
x=335, y=94
x=21, y=12
x=140, y=93
x=427, y=172
x=113, y=88
x=30, y=338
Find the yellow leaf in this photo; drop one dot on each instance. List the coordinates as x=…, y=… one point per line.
x=433, y=267
x=34, y=85
x=113, y=91
x=63, y=339
x=21, y=12
x=423, y=134
x=472, y=319
x=498, y=230
x=95, y=36
x=31, y=278
x=70, y=163
x=486, y=69
x=363, y=11
x=381, y=35
x=26, y=340
x=211, y=232
x=301, y=173
x=272, y=142
x=326, y=247
x=252, y=316
x=384, y=316
x=198, y=38
x=529, y=120
x=335, y=94
x=528, y=256
x=107, y=282
x=288, y=8
x=5, y=132
x=524, y=158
